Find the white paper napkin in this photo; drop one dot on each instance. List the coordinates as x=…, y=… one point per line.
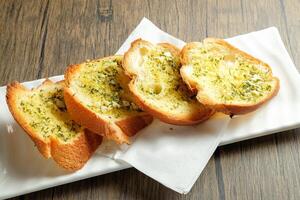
x=173, y=155
x=176, y=156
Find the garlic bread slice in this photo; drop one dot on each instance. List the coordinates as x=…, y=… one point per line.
x=98, y=98
x=226, y=78
x=157, y=86
x=42, y=113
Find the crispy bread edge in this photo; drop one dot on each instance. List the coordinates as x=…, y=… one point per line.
x=70, y=156
x=230, y=109
x=194, y=118
x=118, y=131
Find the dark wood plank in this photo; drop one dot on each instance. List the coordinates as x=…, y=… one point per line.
x=40, y=38
x=21, y=41
x=291, y=22
x=77, y=30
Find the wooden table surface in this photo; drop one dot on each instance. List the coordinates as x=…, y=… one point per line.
x=39, y=38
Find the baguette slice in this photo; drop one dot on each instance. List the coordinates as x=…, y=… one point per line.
x=98, y=98
x=157, y=86
x=41, y=112
x=226, y=78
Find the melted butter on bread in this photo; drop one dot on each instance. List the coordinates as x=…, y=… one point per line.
x=46, y=113
x=98, y=84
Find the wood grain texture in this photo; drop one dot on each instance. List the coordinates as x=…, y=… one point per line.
x=39, y=38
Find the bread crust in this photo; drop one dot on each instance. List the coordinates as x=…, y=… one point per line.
x=119, y=131
x=230, y=109
x=71, y=156
x=200, y=115
x=191, y=119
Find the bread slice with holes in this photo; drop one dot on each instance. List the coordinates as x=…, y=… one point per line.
x=157, y=86
x=98, y=98
x=42, y=113
x=226, y=78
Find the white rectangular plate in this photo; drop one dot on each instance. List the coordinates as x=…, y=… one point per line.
x=23, y=170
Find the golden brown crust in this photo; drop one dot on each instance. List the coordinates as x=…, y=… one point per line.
x=126, y=61
x=13, y=90
x=244, y=109
x=184, y=55
x=82, y=115
x=120, y=131
x=199, y=115
x=133, y=124
x=230, y=109
x=71, y=156
x=173, y=49
x=189, y=119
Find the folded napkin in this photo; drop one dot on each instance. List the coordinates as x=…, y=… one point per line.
x=172, y=155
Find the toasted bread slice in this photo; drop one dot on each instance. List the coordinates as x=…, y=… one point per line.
x=98, y=98
x=42, y=113
x=157, y=86
x=226, y=78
